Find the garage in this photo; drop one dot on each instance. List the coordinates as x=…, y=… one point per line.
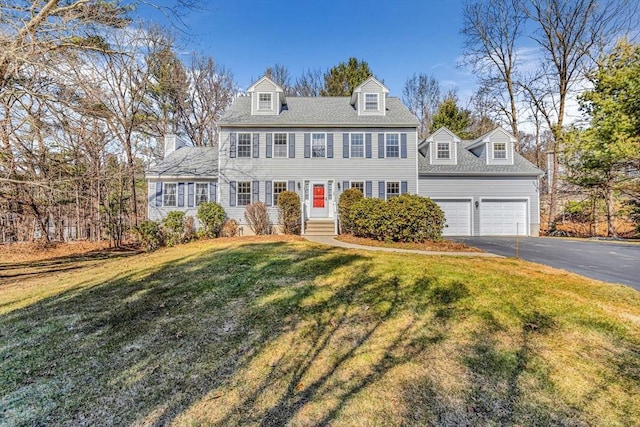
x=457, y=214
x=503, y=217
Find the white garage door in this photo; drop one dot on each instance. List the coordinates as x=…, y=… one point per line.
x=503, y=217
x=457, y=215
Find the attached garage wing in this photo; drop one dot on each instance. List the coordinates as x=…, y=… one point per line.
x=503, y=217
x=457, y=214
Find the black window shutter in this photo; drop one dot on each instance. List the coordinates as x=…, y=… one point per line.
x=213, y=191
x=368, y=189
x=232, y=193
x=403, y=145
x=345, y=185
x=181, y=194
x=158, y=193
x=255, y=191
x=307, y=145
x=381, y=145
x=367, y=146
x=291, y=186
x=256, y=145
x=345, y=145
x=381, y=190
x=268, y=193
x=403, y=187
x=269, y=145
x=190, y=195
x=232, y=145
x=292, y=145
x=329, y=146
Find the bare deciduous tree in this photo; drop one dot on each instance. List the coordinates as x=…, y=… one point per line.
x=421, y=94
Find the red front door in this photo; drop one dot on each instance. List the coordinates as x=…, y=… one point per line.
x=318, y=195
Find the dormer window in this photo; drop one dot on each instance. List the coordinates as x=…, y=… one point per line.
x=264, y=101
x=371, y=102
x=499, y=150
x=443, y=151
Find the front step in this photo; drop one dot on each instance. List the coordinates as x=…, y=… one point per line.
x=323, y=227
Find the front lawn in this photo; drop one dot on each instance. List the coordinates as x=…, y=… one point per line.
x=271, y=332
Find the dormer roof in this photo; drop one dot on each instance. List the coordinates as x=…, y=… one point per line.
x=252, y=88
x=358, y=89
x=487, y=137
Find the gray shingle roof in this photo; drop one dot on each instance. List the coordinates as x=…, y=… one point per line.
x=188, y=162
x=318, y=111
x=469, y=164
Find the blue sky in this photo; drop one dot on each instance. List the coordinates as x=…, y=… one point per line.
x=397, y=38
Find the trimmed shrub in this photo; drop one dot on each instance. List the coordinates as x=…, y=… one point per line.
x=367, y=218
x=150, y=235
x=289, y=212
x=347, y=199
x=173, y=225
x=212, y=216
x=414, y=219
x=406, y=218
x=230, y=228
x=257, y=216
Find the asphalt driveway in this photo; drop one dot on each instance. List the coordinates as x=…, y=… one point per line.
x=609, y=261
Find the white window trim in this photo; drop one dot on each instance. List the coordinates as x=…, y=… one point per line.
x=377, y=95
x=386, y=188
x=238, y=193
x=364, y=149
x=493, y=151
x=273, y=148
x=164, y=192
x=363, y=185
x=325, y=144
x=273, y=189
x=195, y=193
x=238, y=145
x=448, y=147
x=270, y=101
x=386, y=135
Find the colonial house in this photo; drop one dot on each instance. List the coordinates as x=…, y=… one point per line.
x=320, y=146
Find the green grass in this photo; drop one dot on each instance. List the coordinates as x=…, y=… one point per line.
x=291, y=333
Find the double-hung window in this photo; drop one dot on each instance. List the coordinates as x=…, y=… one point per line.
x=244, y=145
x=499, y=150
x=392, y=145
x=318, y=145
x=202, y=193
x=371, y=102
x=279, y=145
x=244, y=193
x=443, y=151
x=278, y=187
x=264, y=101
x=359, y=185
x=357, y=145
x=393, y=189
x=169, y=194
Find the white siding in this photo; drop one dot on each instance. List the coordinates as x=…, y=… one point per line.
x=157, y=213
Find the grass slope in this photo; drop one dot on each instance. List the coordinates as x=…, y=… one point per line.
x=276, y=333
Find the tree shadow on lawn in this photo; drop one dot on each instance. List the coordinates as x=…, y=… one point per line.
x=145, y=346
x=256, y=334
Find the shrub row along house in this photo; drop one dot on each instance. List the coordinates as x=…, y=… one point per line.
x=320, y=146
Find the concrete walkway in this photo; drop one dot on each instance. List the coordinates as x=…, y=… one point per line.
x=329, y=240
